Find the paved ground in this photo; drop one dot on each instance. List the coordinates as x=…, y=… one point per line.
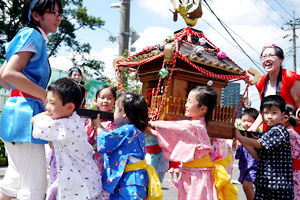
x=171, y=193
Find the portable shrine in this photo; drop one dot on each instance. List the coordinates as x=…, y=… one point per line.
x=171, y=69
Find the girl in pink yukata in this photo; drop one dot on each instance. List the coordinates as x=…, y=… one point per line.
x=187, y=141
x=289, y=122
x=105, y=101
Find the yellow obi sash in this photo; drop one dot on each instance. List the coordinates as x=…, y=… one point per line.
x=154, y=186
x=225, y=189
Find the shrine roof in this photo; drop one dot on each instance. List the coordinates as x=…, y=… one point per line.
x=194, y=49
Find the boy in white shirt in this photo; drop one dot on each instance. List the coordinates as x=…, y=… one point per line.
x=78, y=176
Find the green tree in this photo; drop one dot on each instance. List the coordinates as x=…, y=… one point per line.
x=75, y=18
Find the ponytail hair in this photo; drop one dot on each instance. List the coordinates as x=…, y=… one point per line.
x=135, y=108
x=291, y=112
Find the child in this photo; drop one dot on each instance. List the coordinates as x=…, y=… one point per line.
x=187, y=141
x=77, y=173
x=247, y=164
x=105, y=100
x=289, y=121
x=26, y=72
x=124, y=174
x=274, y=177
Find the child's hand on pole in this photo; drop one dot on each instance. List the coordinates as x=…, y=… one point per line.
x=238, y=135
x=97, y=123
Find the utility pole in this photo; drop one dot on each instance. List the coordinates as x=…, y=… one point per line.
x=124, y=26
x=293, y=23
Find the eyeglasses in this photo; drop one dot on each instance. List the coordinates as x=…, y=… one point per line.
x=264, y=57
x=56, y=14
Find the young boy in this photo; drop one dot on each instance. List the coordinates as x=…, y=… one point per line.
x=247, y=164
x=274, y=178
x=77, y=174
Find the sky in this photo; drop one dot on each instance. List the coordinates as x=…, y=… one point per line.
x=253, y=24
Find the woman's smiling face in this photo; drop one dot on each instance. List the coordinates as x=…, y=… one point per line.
x=270, y=61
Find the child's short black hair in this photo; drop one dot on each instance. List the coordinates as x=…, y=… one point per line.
x=135, y=108
x=272, y=101
x=291, y=112
x=112, y=89
x=68, y=90
x=206, y=96
x=250, y=111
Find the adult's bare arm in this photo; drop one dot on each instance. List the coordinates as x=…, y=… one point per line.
x=295, y=92
x=12, y=73
x=2, y=82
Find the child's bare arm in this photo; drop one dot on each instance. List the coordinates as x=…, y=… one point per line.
x=247, y=141
x=256, y=124
x=151, y=131
x=97, y=124
x=151, y=124
x=252, y=151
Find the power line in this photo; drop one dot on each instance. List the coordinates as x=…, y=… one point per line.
x=235, y=34
x=267, y=15
x=220, y=34
x=270, y=5
x=243, y=40
x=232, y=36
x=232, y=44
x=283, y=8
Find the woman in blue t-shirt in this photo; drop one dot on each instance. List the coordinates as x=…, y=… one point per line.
x=26, y=73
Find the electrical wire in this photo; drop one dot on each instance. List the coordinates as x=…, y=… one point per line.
x=267, y=15
x=235, y=34
x=283, y=8
x=237, y=48
x=222, y=23
x=270, y=5
x=243, y=40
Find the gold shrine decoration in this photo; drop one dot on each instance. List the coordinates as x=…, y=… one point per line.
x=190, y=10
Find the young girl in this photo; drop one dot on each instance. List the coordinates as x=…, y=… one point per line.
x=105, y=100
x=289, y=121
x=124, y=174
x=187, y=141
x=77, y=174
x=26, y=72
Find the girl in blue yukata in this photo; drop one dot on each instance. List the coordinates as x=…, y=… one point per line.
x=125, y=172
x=26, y=72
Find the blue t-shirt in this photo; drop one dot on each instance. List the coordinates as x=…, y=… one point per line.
x=17, y=112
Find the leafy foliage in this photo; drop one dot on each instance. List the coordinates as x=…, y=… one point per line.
x=75, y=18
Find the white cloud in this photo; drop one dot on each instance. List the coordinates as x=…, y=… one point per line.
x=107, y=55
x=60, y=62
x=158, y=7
x=152, y=36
